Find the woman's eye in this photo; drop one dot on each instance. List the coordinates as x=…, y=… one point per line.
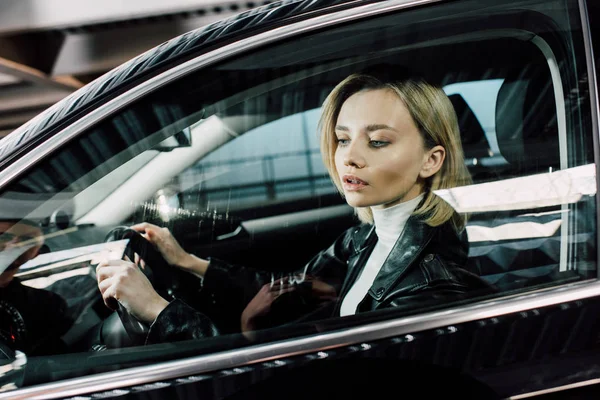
x=343, y=142
x=378, y=143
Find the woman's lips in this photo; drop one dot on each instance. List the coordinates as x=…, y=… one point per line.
x=352, y=183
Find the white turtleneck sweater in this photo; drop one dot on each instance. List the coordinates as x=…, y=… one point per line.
x=389, y=225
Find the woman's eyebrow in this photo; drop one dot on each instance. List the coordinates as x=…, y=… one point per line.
x=378, y=127
x=368, y=128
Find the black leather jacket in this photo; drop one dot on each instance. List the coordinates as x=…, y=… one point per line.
x=424, y=267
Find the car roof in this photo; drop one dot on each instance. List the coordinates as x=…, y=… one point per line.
x=155, y=61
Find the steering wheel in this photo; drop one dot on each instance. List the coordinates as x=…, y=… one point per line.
x=157, y=270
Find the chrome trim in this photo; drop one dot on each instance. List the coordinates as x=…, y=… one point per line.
x=555, y=389
x=594, y=103
x=274, y=35
x=561, y=118
x=306, y=345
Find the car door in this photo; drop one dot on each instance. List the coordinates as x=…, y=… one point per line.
x=215, y=137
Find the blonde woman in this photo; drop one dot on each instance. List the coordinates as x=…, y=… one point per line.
x=388, y=144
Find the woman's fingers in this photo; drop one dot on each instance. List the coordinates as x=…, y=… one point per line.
x=143, y=227
x=273, y=294
x=146, y=230
x=282, y=291
x=109, y=265
x=122, y=282
x=137, y=260
x=104, y=284
x=110, y=300
x=109, y=271
x=276, y=291
x=279, y=288
x=163, y=240
x=108, y=290
x=285, y=281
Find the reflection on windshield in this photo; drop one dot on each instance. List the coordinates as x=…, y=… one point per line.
x=85, y=253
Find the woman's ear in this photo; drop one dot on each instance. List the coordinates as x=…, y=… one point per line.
x=433, y=161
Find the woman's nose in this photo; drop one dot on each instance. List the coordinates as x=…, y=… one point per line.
x=353, y=157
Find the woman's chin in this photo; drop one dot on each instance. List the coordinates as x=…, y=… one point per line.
x=357, y=203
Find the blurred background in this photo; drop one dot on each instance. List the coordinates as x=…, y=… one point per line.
x=50, y=48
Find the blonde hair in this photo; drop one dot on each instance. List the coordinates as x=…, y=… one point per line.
x=436, y=119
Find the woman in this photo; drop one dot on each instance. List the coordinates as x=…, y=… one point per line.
x=388, y=145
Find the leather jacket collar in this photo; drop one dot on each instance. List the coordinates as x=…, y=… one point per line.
x=410, y=245
x=419, y=241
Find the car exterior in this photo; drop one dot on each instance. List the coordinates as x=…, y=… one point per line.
x=214, y=135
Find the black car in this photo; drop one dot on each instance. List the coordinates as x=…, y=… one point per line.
x=214, y=136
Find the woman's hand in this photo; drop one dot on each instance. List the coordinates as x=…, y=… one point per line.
x=261, y=304
x=170, y=249
x=122, y=281
x=164, y=242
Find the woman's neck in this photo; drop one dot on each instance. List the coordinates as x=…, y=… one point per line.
x=389, y=222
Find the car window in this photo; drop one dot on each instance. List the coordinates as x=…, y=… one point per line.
x=227, y=159
x=258, y=167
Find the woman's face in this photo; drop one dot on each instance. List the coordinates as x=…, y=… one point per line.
x=380, y=158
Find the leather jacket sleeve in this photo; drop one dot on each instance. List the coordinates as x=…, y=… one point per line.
x=177, y=322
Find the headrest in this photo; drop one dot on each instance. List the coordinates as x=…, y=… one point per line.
x=526, y=120
x=474, y=142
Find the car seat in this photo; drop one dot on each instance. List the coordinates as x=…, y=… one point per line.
x=527, y=134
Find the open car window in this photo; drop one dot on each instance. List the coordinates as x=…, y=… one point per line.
x=227, y=158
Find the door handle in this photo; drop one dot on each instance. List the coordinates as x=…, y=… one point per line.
x=230, y=235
